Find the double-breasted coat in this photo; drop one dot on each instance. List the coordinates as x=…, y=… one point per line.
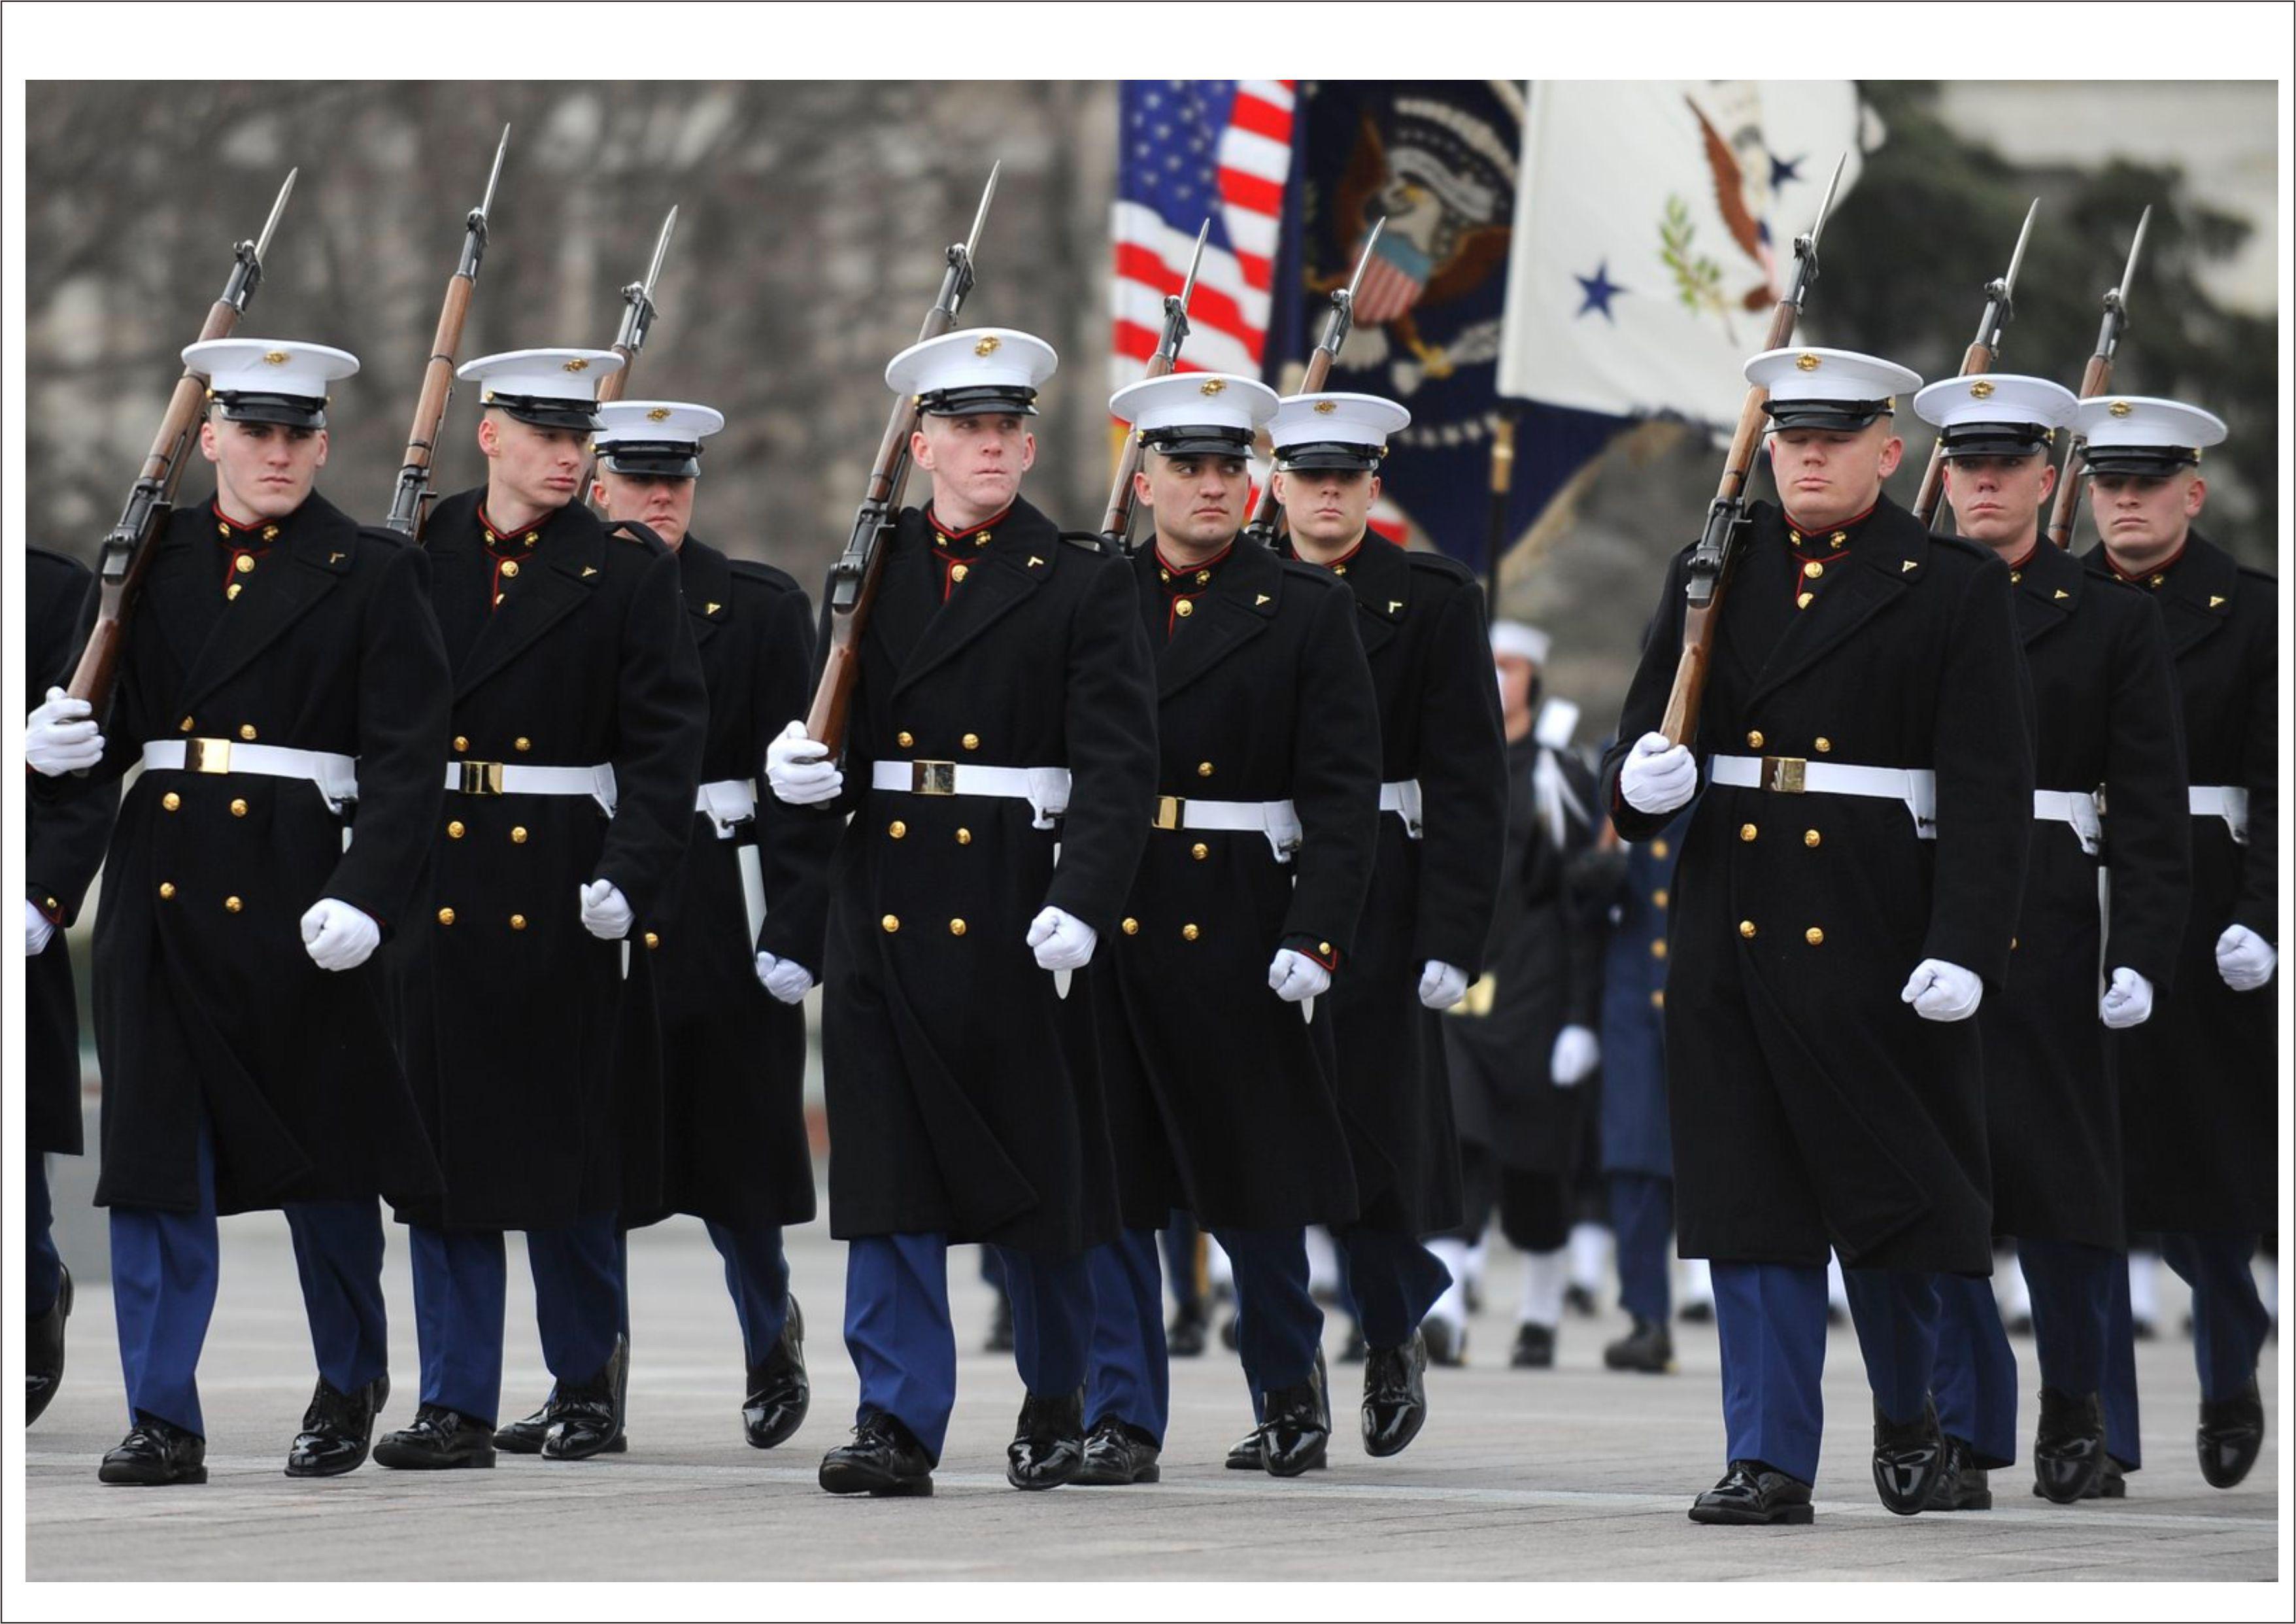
x=64, y=838
x=308, y=634
x=1810, y=1105
x=963, y=1090
x=2199, y=1081
x=530, y=1043
x=1420, y=616
x=1634, y=1137
x=2104, y=715
x=1224, y=1099
x=733, y=1136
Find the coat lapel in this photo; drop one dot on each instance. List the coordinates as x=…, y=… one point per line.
x=1024, y=552
x=2048, y=592
x=707, y=579
x=2196, y=597
x=186, y=587
x=1885, y=556
x=1238, y=607
x=570, y=558
x=320, y=542
x=1380, y=577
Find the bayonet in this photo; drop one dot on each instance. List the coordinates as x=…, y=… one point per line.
x=2096, y=379
x=1983, y=353
x=1116, y=520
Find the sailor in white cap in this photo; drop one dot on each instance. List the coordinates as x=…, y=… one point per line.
x=576, y=737
x=1867, y=765
x=999, y=763
x=2198, y=1081
x=2106, y=734
x=281, y=667
x=1225, y=1098
x=1434, y=880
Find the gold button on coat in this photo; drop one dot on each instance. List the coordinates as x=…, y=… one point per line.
x=956, y=927
x=1203, y=769
x=460, y=741
x=1813, y=569
x=1189, y=932
x=971, y=741
x=1658, y=848
x=899, y=830
x=964, y=837
x=184, y=725
x=1132, y=927
x=1325, y=948
x=238, y=809
x=891, y=924
x=1825, y=746
x=518, y=921
x=1747, y=832
x=231, y=593
x=1746, y=928
x=243, y=564
x=518, y=835
x=246, y=730
x=905, y=738
x=445, y=916
x=1754, y=740
x=1658, y=998
x=170, y=800
x=1804, y=600
x=455, y=829
x=510, y=569
x=1658, y=947
x=1183, y=609
x=1815, y=936
x=1658, y=897
x=167, y=889
x=652, y=940
x=521, y=745
x=1199, y=851
x=1812, y=838
x=957, y=572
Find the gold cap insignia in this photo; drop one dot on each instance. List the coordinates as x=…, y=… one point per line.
x=1806, y=361
x=1213, y=386
x=2120, y=408
x=1327, y=407
x=657, y=414
x=988, y=346
x=274, y=357
x=489, y=395
x=1982, y=389
x=577, y=364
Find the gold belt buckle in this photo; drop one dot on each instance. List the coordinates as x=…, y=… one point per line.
x=207, y=754
x=1171, y=812
x=480, y=778
x=1784, y=774
x=933, y=777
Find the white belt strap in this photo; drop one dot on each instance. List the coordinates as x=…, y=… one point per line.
x=336, y=777
x=512, y=778
x=1402, y=797
x=1278, y=820
x=1915, y=787
x=1045, y=788
x=730, y=803
x=2228, y=801
x=2074, y=807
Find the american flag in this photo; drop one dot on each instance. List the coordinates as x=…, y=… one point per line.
x=1192, y=149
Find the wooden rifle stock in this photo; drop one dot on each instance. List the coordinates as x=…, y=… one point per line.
x=1976, y=358
x=1115, y=520
x=1680, y=724
x=2064, y=508
x=410, y=504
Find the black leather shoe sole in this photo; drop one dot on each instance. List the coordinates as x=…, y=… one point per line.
x=137, y=1475
x=400, y=1459
x=1249, y=1456
x=514, y=1439
x=843, y=1477
x=1032, y=1478
x=1737, y=1516
x=556, y=1447
x=1309, y=1459
x=1097, y=1476
x=302, y=1466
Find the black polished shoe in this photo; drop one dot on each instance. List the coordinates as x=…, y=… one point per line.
x=1395, y=1397
x=780, y=1391
x=1753, y=1493
x=438, y=1439
x=1250, y=1452
x=336, y=1429
x=1909, y=1457
x=1118, y=1455
x=525, y=1436
x=43, y=1352
x=1534, y=1348
x=1000, y=1328
x=2230, y=1434
x=1297, y=1430
x=1186, y=1336
x=1446, y=1343
x=884, y=1459
x=1962, y=1484
x=1699, y=1312
x=1048, y=1446
x=586, y=1416
x=1355, y=1350
x=156, y=1453
x=2068, y=1446
x=1580, y=1300
x=1648, y=1348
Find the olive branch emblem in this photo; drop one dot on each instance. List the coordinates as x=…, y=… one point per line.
x=1697, y=279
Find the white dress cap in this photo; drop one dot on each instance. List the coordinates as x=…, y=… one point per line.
x=1521, y=641
x=551, y=388
x=1995, y=414
x=1202, y=414
x=2144, y=434
x=1829, y=388
x=270, y=380
x=1334, y=430
x=978, y=370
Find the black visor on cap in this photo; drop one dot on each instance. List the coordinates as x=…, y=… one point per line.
x=296, y=411
x=984, y=401
x=1329, y=454
x=1199, y=439
x=671, y=459
x=1997, y=439
x=1826, y=413
x=548, y=412
x=2153, y=462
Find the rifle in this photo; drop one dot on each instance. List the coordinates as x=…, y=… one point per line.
x=1266, y=518
x=2096, y=379
x=1978, y=358
x=853, y=580
x=1115, y=523
x=410, y=499
x=638, y=320
x=1726, y=521
x=127, y=555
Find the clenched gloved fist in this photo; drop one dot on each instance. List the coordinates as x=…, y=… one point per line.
x=60, y=737
x=799, y=768
x=2244, y=959
x=1940, y=991
x=1062, y=941
x=2128, y=1001
x=1577, y=1052
x=785, y=978
x=1297, y=978
x=1657, y=776
x=337, y=936
x=1441, y=985
x=37, y=929
x=606, y=913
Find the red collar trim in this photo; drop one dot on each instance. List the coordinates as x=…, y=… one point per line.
x=2144, y=576
x=970, y=530
x=1806, y=532
x=2027, y=557
x=1181, y=571
x=253, y=532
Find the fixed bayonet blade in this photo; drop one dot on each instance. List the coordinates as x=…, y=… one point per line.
x=1826, y=204
x=495, y=173
x=981, y=215
x=2127, y=272
x=1364, y=264
x=2017, y=254
x=279, y=207
x=661, y=249
x=1188, y=287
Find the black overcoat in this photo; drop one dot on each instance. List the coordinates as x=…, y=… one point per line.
x=64, y=837
x=530, y=1043
x=1811, y=1106
x=1223, y=1098
x=963, y=1091
x=2199, y=1082
x=206, y=1002
x=733, y=1136
x=2104, y=714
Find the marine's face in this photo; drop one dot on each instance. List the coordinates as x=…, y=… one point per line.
x=976, y=462
x=541, y=468
x=1330, y=506
x=2147, y=512
x=1997, y=499
x=1826, y=476
x=1515, y=675
x=263, y=470
x=1198, y=499
x=662, y=502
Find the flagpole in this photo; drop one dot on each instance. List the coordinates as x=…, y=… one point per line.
x=1502, y=487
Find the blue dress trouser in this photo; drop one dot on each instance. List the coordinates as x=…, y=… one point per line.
x=2120, y=1391
x=460, y=1280
x=1974, y=1380
x=1771, y=1321
x=898, y=1331
x=165, y=1268
x=1642, y=1217
x=1896, y=1313
x=2229, y=1318
x=756, y=1277
x=1389, y=1281
x=1279, y=1326
x=1131, y=1377
x=44, y=1270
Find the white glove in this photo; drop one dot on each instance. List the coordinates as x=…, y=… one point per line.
x=1940, y=991
x=1577, y=1052
x=1441, y=985
x=799, y=768
x=1062, y=941
x=337, y=936
x=60, y=737
x=785, y=978
x=606, y=913
x=37, y=929
x=1297, y=978
x=2128, y=1001
x=2244, y=959
x=1657, y=776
